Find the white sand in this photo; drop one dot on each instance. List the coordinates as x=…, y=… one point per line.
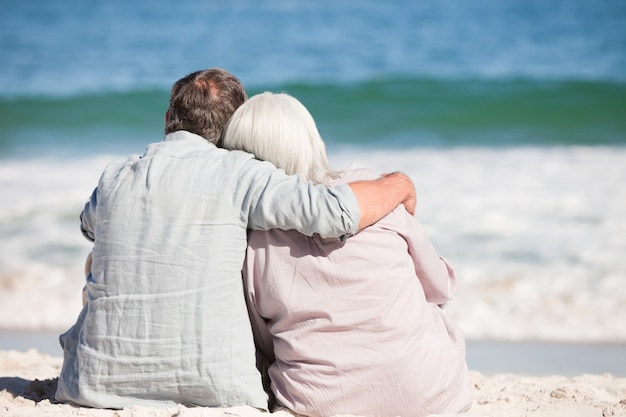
x=28, y=381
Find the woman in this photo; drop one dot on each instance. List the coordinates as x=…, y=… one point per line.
x=353, y=327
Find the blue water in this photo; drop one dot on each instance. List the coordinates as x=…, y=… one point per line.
x=372, y=73
x=509, y=116
x=71, y=47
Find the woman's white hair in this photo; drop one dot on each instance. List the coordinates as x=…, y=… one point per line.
x=276, y=127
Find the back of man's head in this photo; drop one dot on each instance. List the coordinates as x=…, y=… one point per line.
x=203, y=102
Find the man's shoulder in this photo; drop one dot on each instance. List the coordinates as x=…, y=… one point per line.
x=184, y=143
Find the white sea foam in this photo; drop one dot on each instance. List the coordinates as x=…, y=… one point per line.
x=42, y=249
x=537, y=236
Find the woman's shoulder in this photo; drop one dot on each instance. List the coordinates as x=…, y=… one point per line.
x=351, y=175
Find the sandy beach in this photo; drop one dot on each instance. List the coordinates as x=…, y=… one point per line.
x=28, y=382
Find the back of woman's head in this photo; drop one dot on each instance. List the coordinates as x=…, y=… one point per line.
x=279, y=129
x=203, y=102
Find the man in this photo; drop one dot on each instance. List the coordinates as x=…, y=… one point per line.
x=165, y=320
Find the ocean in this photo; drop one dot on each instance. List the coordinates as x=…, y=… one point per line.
x=510, y=118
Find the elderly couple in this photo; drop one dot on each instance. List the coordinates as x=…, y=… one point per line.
x=339, y=309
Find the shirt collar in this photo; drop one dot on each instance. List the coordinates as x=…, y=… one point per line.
x=185, y=135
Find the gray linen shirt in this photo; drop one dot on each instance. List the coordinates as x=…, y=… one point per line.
x=165, y=320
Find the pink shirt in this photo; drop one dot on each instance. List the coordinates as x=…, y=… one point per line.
x=354, y=327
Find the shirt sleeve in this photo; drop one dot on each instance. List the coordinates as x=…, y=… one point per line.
x=88, y=217
x=434, y=272
x=271, y=199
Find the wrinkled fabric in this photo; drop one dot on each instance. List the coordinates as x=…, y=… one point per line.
x=165, y=319
x=356, y=327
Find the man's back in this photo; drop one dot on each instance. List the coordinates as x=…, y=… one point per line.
x=165, y=320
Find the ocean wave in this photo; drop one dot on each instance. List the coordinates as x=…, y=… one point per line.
x=536, y=236
x=396, y=112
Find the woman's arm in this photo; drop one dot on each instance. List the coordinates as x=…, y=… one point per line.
x=434, y=272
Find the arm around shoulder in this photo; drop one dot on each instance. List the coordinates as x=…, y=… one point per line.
x=377, y=198
x=271, y=199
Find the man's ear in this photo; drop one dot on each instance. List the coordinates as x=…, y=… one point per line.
x=167, y=115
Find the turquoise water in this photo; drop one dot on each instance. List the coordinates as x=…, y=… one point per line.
x=397, y=113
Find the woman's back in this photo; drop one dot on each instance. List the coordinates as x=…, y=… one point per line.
x=352, y=327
